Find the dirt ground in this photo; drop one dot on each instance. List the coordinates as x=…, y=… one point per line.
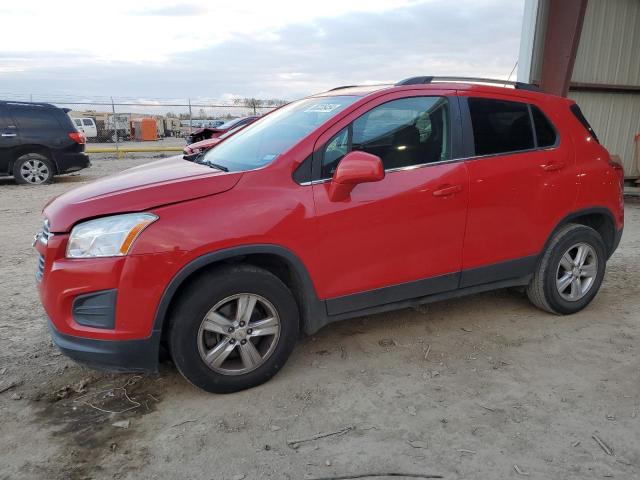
x=484, y=387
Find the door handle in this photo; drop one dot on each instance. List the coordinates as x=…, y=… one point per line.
x=447, y=190
x=553, y=166
x=9, y=135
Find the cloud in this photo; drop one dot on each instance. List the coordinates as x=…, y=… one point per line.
x=179, y=10
x=477, y=38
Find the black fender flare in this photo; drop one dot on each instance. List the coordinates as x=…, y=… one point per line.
x=22, y=150
x=580, y=213
x=312, y=310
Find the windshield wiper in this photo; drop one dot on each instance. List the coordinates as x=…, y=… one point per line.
x=214, y=165
x=193, y=157
x=199, y=158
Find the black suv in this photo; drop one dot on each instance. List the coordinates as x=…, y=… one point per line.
x=38, y=141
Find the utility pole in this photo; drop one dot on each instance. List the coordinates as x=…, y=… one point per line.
x=190, y=117
x=115, y=127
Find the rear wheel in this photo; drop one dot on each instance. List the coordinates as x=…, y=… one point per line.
x=33, y=169
x=233, y=329
x=570, y=272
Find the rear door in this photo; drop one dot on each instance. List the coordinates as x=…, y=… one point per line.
x=399, y=238
x=9, y=139
x=522, y=181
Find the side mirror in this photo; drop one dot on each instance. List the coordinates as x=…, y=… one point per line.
x=356, y=167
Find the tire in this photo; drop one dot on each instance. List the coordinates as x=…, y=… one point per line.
x=33, y=169
x=559, y=285
x=221, y=291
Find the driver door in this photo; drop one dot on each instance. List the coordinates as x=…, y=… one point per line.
x=399, y=238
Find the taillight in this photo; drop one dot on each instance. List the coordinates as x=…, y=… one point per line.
x=78, y=137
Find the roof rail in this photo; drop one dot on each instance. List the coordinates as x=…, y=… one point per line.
x=343, y=86
x=431, y=79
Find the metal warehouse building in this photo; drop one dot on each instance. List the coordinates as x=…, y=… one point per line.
x=589, y=50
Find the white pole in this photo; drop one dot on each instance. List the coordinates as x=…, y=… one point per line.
x=115, y=127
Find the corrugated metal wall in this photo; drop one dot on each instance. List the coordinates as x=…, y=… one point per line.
x=609, y=53
x=609, y=49
x=615, y=117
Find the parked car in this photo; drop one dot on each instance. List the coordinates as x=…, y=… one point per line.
x=346, y=203
x=204, y=145
x=38, y=141
x=205, y=133
x=87, y=126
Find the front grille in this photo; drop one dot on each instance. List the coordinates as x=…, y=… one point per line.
x=40, y=268
x=46, y=233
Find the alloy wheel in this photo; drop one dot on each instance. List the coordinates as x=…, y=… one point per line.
x=35, y=171
x=576, y=272
x=238, y=334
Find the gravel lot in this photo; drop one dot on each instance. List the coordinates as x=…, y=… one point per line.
x=484, y=387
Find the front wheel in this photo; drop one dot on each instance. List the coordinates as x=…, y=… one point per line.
x=570, y=272
x=233, y=328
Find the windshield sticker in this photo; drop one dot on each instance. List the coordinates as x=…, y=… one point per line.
x=323, y=107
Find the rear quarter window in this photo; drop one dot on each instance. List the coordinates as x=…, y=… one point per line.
x=545, y=131
x=35, y=118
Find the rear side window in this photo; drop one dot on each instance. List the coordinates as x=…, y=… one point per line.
x=404, y=132
x=545, y=132
x=575, y=109
x=500, y=126
x=78, y=122
x=34, y=118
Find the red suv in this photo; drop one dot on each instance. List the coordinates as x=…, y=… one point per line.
x=346, y=203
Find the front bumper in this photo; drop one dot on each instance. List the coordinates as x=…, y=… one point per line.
x=110, y=355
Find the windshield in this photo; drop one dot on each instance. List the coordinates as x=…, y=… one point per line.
x=263, y=141
x=228, y=133
x=230, y=123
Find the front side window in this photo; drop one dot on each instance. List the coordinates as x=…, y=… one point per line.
x=500, y=126
x=87, y=122
x=404, y=132
x=264, y=140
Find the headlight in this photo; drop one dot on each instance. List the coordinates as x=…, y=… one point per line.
x=108, y=236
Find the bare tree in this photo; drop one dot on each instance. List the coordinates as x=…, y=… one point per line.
x=251, y=103
x=275, y=102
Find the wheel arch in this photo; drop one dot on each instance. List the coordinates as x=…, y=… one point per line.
x=21, y=150
x=601, y=219
x=278, y=260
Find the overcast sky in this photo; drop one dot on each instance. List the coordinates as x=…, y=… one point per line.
x=147, y=49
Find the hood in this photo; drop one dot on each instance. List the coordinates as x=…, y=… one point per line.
x=171, y=180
